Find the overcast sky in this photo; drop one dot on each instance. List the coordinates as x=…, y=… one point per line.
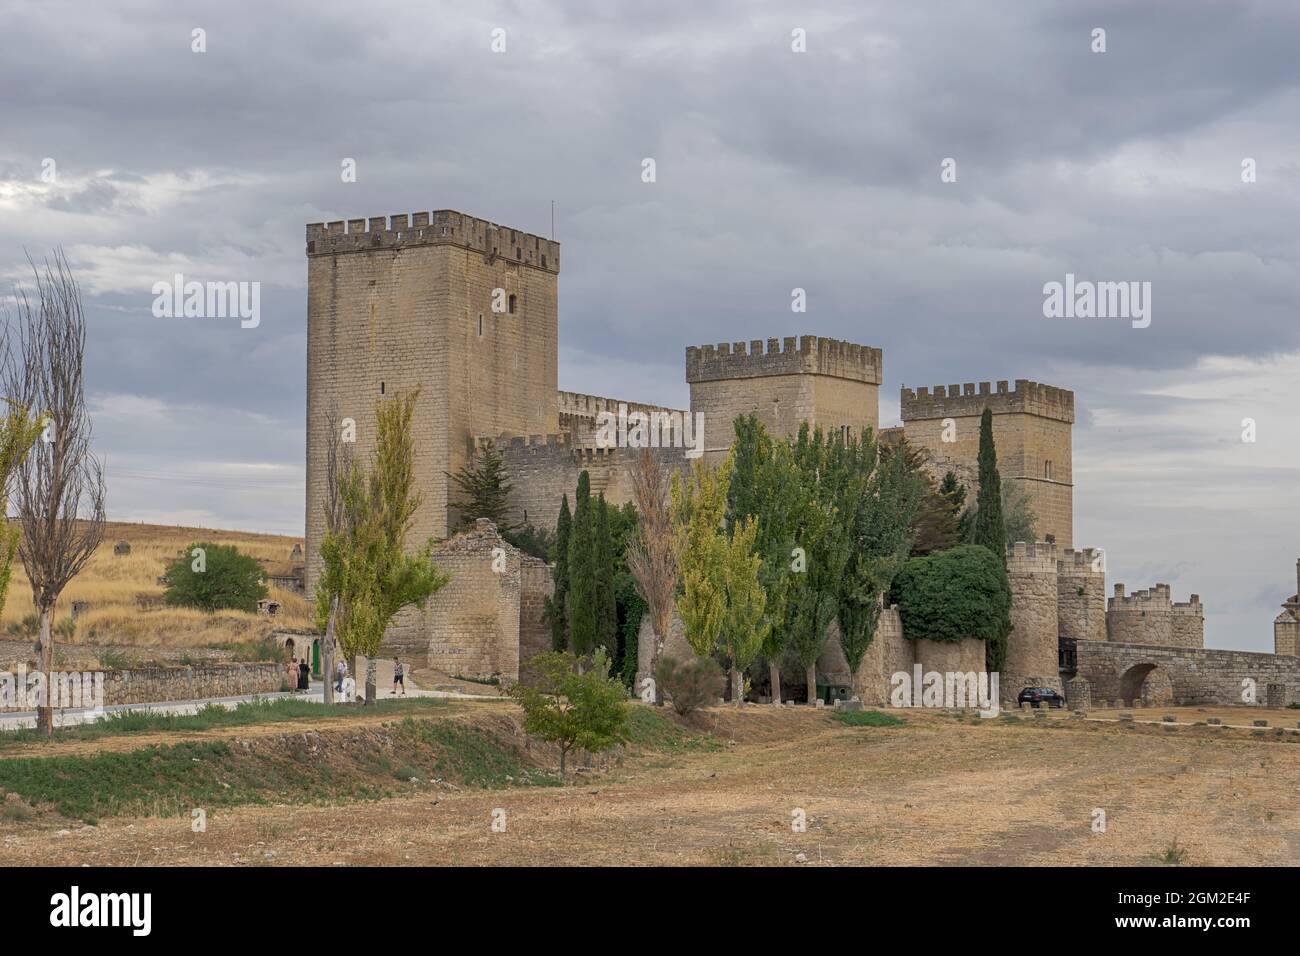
x=775, y=170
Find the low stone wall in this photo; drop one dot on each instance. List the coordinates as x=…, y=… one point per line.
x=1158, y=674
x=148, y=685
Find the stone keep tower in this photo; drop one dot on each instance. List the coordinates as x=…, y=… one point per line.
x=1151, y=617
x=1081, y=595
x=460, y=308
x=1033, y=659
x=1031, y=429
x=823, y=381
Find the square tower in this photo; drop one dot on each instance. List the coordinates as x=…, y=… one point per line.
x=822, y=381
x=461, y=308
x=1032, y=427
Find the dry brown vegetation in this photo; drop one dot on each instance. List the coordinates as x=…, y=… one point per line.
x=116, y=585
x=938, y=790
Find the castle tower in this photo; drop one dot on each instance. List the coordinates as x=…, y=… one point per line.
x=1031, y=429
x=1033, y=658
x=1150, y=617
x=463, y=309
x=1081, y=595
x=823, y=381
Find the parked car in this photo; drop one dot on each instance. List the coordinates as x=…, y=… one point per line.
x=1041, y=695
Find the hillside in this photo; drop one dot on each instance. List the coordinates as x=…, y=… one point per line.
x=125, y=597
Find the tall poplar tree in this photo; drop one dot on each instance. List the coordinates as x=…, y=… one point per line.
x=606, y=596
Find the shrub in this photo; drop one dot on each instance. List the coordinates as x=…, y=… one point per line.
x=27, y=627
x=66, y=629
x=587, y=710
x=220, y=578
x=955, y=594
x=690, y=685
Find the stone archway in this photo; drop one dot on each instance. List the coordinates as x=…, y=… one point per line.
x=1148, y=683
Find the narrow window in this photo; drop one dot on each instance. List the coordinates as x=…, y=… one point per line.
x=512, y=305
x=381, y=388
x=480, y=325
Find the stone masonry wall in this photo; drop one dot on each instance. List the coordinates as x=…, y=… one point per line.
x=1197, y=675
x=146, y=685
x=1081, y=595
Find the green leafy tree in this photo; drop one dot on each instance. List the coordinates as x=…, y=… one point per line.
x=744, y=625
x=960, y=593
x=572, y=709
x=484, y=490
x=881, y=502
x=367, y=576
x=825, y=536
x=214, y=577
x=699, y=507
x=584, y=625
x=19, y=430
x=1018, y=516
x=557, y=604
x=765, y=489
x=989, y=529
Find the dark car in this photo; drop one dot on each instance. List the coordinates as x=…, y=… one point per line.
x=1041, y=695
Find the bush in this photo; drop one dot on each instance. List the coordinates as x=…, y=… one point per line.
x=955, y=594
x=27, y=627
x=221, y=578
x=690, y=685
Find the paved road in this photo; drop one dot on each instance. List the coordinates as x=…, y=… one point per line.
x=15, y=720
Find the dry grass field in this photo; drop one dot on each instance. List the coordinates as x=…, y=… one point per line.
x=939, y=789
x=125, y=597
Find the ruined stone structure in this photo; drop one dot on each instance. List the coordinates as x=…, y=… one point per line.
x=1286, y=626
x=1150, y=674
x=1032, y=646
x=1031, y=429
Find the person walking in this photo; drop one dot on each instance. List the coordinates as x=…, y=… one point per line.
x=291, y=671
x=399, y=677
x=304, y=679
x=340, y=672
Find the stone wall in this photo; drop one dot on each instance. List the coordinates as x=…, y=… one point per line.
x=1121, y=672
x=535, y=586
x=1032, y=646
x=147, y=685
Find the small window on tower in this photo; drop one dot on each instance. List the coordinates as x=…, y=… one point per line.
x=1047, y=469
x=381, y=388
x=512, y=305
x=480, y=325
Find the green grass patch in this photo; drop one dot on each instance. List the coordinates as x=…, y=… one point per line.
x=647, y=729
x=867, y=718
x=122, y=723
x=173, y=780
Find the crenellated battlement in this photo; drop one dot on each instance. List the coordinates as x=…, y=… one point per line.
x=804, y=355
x=441, y=227
x=1037, y=557
x=1080, y=562
x=956, y=401
x=581, y=405
x=1157, y=596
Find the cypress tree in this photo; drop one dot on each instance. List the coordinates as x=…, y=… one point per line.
x=606, y=600
x=582, y=572
x=989, y=529
x=557, y=608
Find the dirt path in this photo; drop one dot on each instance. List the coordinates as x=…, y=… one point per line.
x=936, y=791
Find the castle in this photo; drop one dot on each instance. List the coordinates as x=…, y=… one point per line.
x=466, y=311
